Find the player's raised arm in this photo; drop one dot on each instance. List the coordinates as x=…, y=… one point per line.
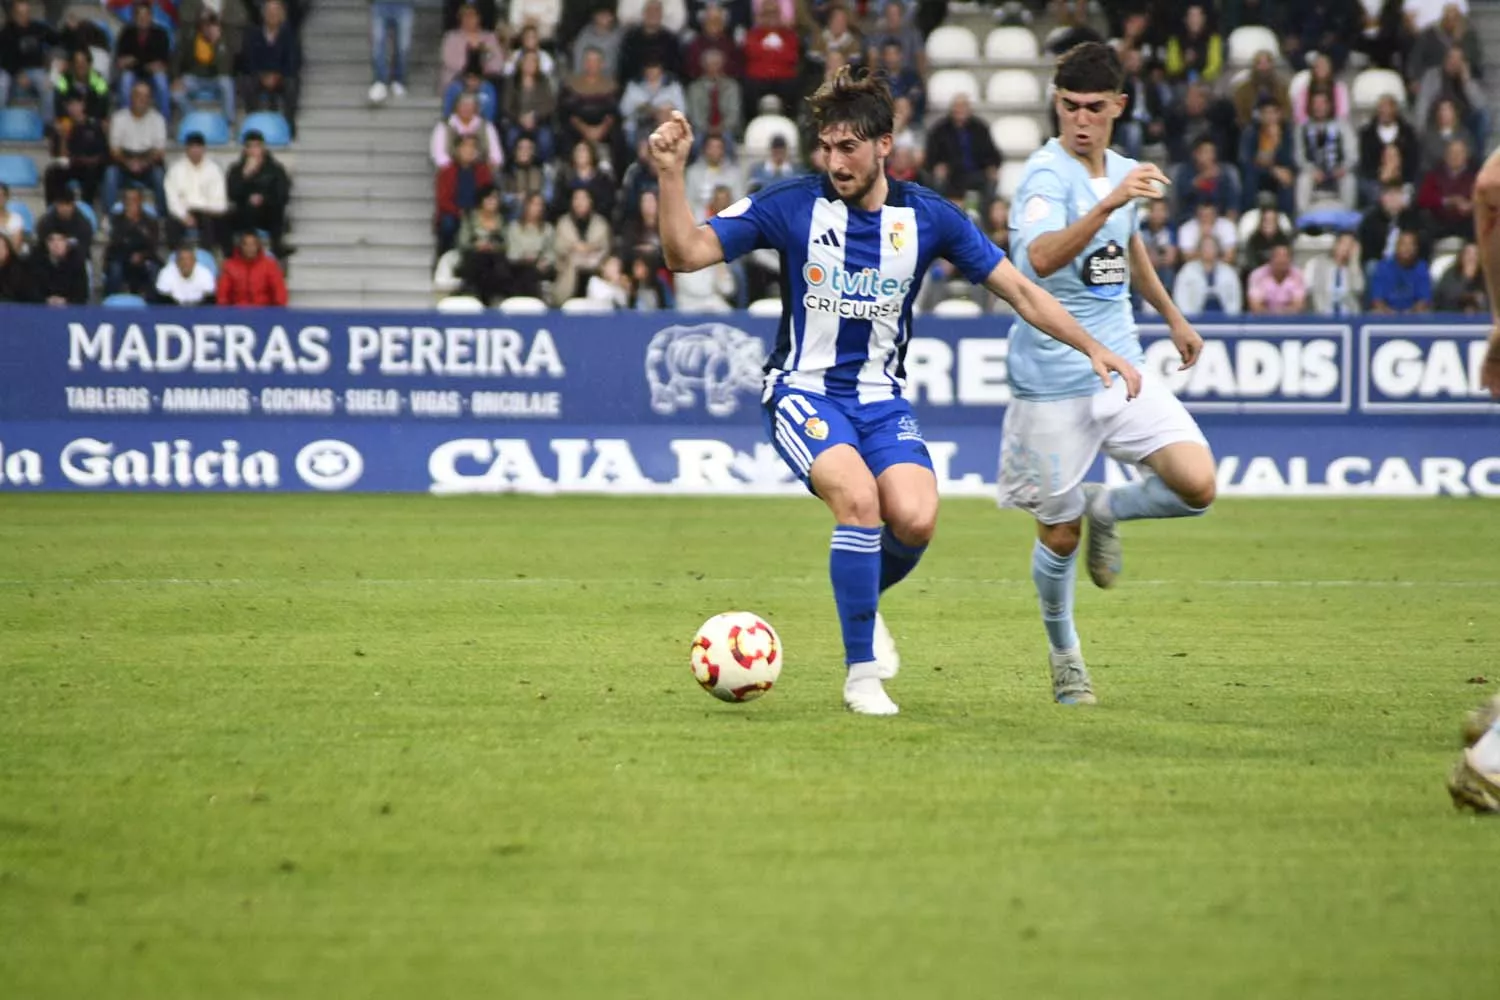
x=1041, y=310
x=1144, y=277
x=685, y=244
x=1060, y=247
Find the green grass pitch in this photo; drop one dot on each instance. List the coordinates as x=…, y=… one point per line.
x=406, y=747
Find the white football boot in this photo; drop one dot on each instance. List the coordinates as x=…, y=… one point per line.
x=886, y=657
x=1071, y=684
x=863, y=692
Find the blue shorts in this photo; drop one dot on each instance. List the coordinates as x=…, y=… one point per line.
x=803, y=425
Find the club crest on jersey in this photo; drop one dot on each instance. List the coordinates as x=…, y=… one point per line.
x=898, y=236
x=815, y=428
x=1106, y=271
x=908, y=429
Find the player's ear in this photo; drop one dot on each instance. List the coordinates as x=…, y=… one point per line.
x=884, y=145
x=1117, y=105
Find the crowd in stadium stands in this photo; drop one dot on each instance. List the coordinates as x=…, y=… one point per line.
x=130, y=214
x=1287, y=197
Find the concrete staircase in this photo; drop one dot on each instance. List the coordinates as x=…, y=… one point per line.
x=1484, y=19
x=362, y=190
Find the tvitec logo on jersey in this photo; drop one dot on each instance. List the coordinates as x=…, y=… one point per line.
x=847, y=294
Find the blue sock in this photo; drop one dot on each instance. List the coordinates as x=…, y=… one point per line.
x=1148, y=498
x=854, y=568
x=1053, y=575
x=897, y=559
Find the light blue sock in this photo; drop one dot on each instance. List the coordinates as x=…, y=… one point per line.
x=897, y=559
x=1151, y=497
x=854, y=568
x=1053, y=575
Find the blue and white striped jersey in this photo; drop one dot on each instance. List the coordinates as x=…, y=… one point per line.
x=849, y=278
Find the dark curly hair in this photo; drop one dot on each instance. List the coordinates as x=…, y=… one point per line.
x=1090, y=68
x=861, y=101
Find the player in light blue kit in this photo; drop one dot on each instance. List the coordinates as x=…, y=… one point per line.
x=1074, y=230
x=853, y=247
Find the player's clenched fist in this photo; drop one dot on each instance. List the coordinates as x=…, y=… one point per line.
x=1144, y=181
x=671, y=143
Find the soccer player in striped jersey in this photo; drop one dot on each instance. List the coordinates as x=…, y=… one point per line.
x=854, y=246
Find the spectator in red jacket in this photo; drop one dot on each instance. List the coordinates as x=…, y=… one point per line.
x=772, y=61
x=250, y=278
x=458, y=187
x=1447, y=193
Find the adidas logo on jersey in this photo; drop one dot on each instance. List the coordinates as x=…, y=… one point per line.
x=828, y=239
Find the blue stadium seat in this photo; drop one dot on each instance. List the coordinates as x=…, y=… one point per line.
x=269, y=124
x=164, y=20
x=207, y=262
x=28, y=221
x=124, y=301
x=20, y=125
x=212, y=124
x=148, y=206
x=106, y=27
x=87, y=211
x=18, y=171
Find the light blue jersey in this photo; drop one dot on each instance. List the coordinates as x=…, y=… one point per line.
x=1056, y=191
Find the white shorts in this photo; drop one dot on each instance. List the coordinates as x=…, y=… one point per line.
x=1047, y=446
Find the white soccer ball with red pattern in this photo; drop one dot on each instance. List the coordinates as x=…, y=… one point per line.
x=736, y=656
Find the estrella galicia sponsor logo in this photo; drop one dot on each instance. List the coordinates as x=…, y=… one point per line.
x=95, y=464
x=1423, y=369
x=715, y=360
x=329, y=464
x=1293, y=368
x=1106, y=272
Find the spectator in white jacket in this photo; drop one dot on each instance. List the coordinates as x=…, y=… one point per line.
x=1207, y=286
x=184, y=281
x=197, y=199
x=646, y=101
x=1336, y=284
x=465, y=120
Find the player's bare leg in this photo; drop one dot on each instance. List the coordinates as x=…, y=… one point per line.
x=1053, y=570
x=909, y=508
x=1183, y=486
x=1487, y=235
x=842, y=480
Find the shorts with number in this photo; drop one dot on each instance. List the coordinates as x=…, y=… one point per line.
x=1047, y=446
x=803, y=425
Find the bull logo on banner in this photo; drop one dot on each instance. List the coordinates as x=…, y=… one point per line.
x=716, y=359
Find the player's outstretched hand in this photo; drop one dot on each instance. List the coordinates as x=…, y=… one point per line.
x=1144, y=181
x=1189, y=345
x=1106, y=361
x=1489, y=372
x=671, y=143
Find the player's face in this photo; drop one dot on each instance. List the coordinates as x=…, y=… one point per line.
x=1087, y=120
x=854, y=164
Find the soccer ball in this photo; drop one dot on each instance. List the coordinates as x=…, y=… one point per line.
x=736, y=656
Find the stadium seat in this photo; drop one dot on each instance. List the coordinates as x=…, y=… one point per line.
x=212, y=124
x=1016, y=136
x=1011, y=172
x=1372, y=84
x=1328, y=216
x=87, y=211
x=958, y=308
x=1448, y=244
x=946, y=84
x=148, y=208
x=586, y=307
x=460, y=304
x=950, y=43
x=766, y=308
x=28, y=221
x=271, y=125
x=763, y=128
x=1011, y=45
x=1013, y=88
x=1440, y=265
x=445, y=279
x=107, y=26
x=1250, y=222
x=207, y=262
x=1306, y=246
x=123, y=300
x=523, y=305
x=18, y=171
x=1247, y=40
x=20, y=125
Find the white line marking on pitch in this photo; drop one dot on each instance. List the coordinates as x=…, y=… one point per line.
x=542, y=581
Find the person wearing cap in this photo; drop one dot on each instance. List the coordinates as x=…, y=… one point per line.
x=197, y=194
x=390, y=22
x=79, y=148
x=142, y=52
x=205, y=62
x=258, y=189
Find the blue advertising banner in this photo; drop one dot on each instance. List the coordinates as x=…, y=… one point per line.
x=218, y=399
